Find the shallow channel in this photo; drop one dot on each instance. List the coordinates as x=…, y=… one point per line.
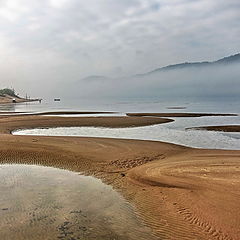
x=173, y=132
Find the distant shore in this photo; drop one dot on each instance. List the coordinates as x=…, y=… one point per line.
x=9, y=99
x=170, y=185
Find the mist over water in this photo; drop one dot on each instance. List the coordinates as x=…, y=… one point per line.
x=216, y=82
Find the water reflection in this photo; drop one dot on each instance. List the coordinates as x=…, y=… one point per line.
x=8, y=107
x=130, y=106
x=46, y=203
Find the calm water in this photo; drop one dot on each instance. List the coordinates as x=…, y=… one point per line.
x=47, y=203
x=154, y=105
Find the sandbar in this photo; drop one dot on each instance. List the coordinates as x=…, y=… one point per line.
x=180, y=114
x=223, y=128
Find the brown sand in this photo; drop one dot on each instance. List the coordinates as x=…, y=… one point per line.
x=180, y=114
x=182, y=193
x=226, y=128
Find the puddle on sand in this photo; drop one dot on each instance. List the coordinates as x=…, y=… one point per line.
x=47, y=203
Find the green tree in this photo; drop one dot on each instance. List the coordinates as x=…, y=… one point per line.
x=7, y=91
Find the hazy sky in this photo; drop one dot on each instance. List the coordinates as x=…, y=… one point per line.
x=45, y=42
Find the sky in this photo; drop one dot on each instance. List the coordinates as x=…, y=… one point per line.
x=48, y=43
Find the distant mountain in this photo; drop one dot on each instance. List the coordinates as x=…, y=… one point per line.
x=187, y=65
x=190, y=80
x=229, y=60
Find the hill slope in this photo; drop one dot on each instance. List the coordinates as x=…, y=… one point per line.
x=223, y=61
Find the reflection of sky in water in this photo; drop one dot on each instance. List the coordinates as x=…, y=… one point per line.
x=46, y=203
x=233, y=135
x=182, y=123
x=125, y=106
x=173, y=132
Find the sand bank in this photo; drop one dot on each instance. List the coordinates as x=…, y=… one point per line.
x=8, y=124
x=182, y=193
x=226, y=128
x=180, y=114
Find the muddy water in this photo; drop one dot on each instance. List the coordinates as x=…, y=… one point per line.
x=46, y=203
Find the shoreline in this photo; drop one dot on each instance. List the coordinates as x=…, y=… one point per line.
x=8, y=100
x=168, y=184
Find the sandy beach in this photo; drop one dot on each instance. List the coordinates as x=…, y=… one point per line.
x=180, y=192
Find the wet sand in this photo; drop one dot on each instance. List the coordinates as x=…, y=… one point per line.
x=226, y=128
x=180, y=192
